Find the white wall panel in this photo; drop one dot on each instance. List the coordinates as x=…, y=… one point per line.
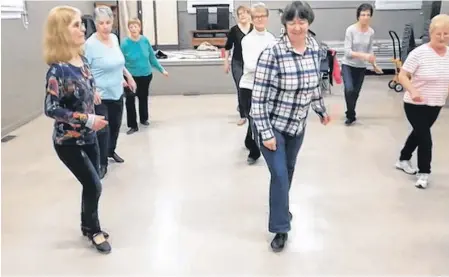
x=398, y=4
x=148, y=20
x=167, y=22
x=445, y=7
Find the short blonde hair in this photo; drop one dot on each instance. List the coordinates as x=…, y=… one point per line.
x=439, y=21
x=134, y=21
x=259, y=7
x=57, y=38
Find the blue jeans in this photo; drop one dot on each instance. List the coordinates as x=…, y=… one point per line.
x=281, y=164
x=353, y=78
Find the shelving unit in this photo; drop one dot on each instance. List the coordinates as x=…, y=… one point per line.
x=215, y=37
x=383, y=49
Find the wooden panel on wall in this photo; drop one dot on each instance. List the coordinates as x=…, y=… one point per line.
x=148, y=20
x=167, y=22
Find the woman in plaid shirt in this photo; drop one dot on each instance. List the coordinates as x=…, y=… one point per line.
x=287, y=83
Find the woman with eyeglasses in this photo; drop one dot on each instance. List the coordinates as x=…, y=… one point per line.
x=70, y=98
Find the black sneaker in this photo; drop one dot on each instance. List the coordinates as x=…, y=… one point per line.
x=103, y=171
x=116, y=158
x=251, y=161
x=349, y=121
x=132, y=131
x=279, y=241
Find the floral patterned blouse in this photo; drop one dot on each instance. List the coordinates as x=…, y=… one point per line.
x=69, y=101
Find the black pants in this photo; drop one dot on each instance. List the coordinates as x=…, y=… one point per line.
x=251, y=134
x=237, y=72
x=421, y=117
x=142, y=92
x=82, y=161
x=353, y=80
x=112, y=110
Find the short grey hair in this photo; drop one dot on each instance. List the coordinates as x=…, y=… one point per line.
x=259, y=6
x=298, y=9
x=103, y=12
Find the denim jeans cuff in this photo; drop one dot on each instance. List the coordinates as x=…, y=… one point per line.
x=280, y=229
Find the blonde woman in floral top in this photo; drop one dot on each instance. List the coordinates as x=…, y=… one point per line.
x=69, y=100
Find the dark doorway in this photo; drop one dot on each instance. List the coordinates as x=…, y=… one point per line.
x=139, y=15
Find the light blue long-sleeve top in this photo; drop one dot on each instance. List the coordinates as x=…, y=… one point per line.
x=140, y=57
x=107, y=65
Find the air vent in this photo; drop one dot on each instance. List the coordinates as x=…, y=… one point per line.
x=8, y=138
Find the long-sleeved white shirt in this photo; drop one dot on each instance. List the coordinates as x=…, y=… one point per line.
x=252, y=46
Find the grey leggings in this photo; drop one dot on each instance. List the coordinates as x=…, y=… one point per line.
x=237, y=72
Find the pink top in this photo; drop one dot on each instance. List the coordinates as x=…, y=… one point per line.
x=430, y=75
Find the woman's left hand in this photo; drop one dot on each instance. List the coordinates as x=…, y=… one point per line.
x=132, y=84
x=97, y=98
x=325, y=120
x=165, y=73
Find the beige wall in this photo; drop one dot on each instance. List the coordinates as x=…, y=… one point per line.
x=167, y=22
x=128, y=10
x=148, y=20
x=23, y=74
x=331, y=19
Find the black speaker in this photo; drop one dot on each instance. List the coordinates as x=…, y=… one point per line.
x=223, y=18
x=202, y=18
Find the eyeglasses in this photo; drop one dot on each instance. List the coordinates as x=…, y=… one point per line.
x=259, y=16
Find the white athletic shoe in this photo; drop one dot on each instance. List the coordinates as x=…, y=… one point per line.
x=407, y=167
x=423, y=181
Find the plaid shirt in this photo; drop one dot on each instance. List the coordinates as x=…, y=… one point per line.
x=286, y=84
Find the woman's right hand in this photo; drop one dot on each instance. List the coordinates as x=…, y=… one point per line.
x=416, y=97
x=226, y=66
x=270, y=144
x=99, y=123
x=370, y=58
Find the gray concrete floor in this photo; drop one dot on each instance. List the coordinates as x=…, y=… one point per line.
x=185, y=203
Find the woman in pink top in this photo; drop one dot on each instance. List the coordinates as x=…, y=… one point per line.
x=425, y=76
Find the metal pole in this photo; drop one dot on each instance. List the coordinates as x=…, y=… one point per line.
x=155, y=24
